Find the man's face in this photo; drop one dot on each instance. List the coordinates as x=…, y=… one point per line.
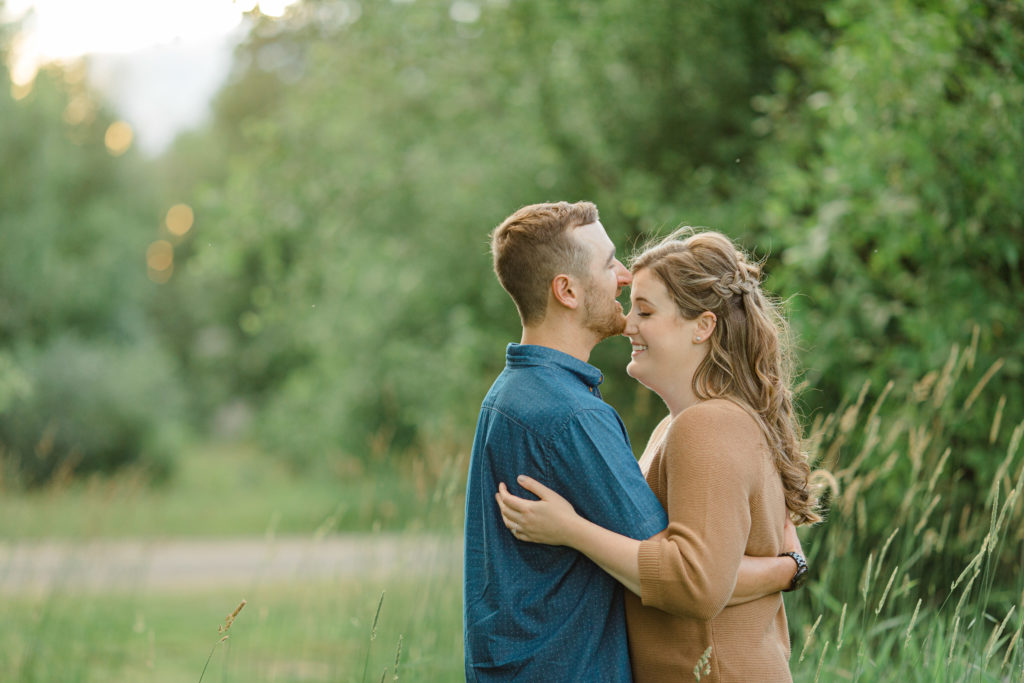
x=605, y=279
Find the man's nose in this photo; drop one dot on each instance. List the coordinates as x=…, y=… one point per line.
x=625, y=277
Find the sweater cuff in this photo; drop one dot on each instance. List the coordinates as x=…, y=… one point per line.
x=649, y=561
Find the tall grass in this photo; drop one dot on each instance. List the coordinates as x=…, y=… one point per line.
x=915, y=578
x=295, y=631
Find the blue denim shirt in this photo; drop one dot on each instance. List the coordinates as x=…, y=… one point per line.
x=537, y=612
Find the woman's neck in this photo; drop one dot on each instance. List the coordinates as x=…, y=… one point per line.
x=679, y=396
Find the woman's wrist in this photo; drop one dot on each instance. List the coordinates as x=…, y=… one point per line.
x=576, y=529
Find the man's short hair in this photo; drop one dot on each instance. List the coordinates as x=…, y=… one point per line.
x=535, y=244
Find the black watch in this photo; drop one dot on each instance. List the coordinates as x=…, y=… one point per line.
x=801, y=570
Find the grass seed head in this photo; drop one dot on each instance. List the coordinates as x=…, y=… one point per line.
x=997, y=420
x=913, y=620
x=842, y=623
x=703, y=665
x=810, y=637
x=885, y=593
x=230, y=619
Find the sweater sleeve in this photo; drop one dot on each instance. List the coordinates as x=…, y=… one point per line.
x=709, y=471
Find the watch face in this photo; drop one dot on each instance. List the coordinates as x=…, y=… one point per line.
x=800, y=578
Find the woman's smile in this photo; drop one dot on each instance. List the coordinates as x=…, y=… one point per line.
x=665, y=346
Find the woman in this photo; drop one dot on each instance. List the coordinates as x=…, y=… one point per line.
x=726, y=464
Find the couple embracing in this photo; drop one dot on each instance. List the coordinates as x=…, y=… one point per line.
x=580, y=563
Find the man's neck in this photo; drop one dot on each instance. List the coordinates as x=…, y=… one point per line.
x=572, y=340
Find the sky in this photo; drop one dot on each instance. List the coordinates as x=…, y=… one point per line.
x=157, y=62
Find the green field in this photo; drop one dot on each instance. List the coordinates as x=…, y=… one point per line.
x=311, y=632
x=232, y=490
x=926, y=592
x=288, y=630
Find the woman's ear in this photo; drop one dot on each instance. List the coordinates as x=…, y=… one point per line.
x=565, y=290
x=706, y=323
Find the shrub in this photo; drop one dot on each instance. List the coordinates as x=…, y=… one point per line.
x=91, y=407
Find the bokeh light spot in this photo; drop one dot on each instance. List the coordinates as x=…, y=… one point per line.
x=274, y=8
x=20, y=91
x=250, y=323
x=464, y=12
x=160, y=255
x=160, y=276
x=118, y=138
x=179, y=219
x=79, y=111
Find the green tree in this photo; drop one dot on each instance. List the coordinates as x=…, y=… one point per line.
x=95, y=390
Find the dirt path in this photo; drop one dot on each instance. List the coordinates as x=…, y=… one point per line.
x=167, y=565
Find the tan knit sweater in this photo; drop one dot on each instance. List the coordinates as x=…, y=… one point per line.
x=713, y=472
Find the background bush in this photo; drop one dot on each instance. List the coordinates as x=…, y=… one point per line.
x=92, y=408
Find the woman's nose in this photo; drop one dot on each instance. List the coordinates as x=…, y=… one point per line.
x=630, y=328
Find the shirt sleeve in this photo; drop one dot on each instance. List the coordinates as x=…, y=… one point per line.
x=595, y=470
x=690, y=569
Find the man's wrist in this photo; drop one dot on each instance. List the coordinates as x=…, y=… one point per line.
x=800, y=577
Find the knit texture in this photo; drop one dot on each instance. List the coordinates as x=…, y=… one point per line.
x=713, y=472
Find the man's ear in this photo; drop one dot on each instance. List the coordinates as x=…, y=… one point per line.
x=566, y=291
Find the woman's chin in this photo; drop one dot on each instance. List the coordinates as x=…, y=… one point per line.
x=634, y=371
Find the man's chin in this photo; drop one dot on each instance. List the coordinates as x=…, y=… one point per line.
x=612, y=327
x=620, y=327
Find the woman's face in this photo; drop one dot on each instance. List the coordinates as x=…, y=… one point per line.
x=664, y=351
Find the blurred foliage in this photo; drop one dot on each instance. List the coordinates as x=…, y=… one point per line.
x=366, y=152
x=93, y=406
x=889, y=196
x=361, y=153
x=84, y=383
x=334, y=297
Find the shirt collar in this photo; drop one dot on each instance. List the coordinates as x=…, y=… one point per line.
x=522, y=355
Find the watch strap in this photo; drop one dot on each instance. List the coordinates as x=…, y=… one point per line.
x=801, y=570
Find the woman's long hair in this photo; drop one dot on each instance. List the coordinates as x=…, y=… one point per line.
x=748, y=361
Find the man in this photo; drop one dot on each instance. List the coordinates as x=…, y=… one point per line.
x=536, y=612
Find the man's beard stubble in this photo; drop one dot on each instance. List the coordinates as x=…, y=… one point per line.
x=603, y=317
